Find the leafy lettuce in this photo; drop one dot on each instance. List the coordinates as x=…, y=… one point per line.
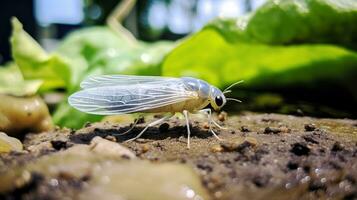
x=13, y=83
x=89, y=51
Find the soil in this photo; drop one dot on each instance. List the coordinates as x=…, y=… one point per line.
x=261, y=156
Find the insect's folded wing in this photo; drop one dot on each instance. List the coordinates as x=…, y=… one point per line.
x=112, y=80
x=113, y=100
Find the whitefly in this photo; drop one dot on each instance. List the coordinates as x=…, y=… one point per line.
x=123, y=94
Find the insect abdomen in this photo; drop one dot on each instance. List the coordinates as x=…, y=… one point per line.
x=189, y=105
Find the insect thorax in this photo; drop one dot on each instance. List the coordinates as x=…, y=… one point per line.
x=201, y=87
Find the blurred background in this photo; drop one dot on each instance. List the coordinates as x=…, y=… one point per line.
x=48, y=21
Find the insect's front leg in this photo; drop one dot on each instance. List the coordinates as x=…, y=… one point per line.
x=210, y=120
x=208, y=112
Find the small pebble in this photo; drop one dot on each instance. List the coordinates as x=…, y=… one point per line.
x=284, y=129
x=30, y=179
x=23, y=179
x=310, y=127
x=244, y=129
x=111, y=138
x=67, y=175
x=141, y=140
x=337, y=147
x=269, y=130
x=218, y=194
x=58, y=144
x=292, y=165
x=182, y=139
x=270, y=120
x=300, y=149
x=145, y=148
x=315, y=185
x=205, y=125
x=206, y=166
x=239, y=144
x=310, y=138
x=216, y=148
x=222, y=116
x=8, y=144
x=260, y=181
x=109, y=148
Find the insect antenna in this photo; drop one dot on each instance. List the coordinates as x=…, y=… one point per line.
x=233, y=99
x=229, y=87
x=227, y=91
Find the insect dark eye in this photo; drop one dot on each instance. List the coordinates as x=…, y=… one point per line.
x=218, y=100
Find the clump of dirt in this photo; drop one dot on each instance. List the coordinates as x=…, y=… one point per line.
x=261, y=156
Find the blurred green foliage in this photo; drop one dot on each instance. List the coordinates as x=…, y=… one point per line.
x=221, y=63
x=98, y=50
x=282, y=42
x=294, y=22
x=89, y=51
x=13, y=83
x=35, y=63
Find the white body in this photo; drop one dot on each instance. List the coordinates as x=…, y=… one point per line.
x=120, y=94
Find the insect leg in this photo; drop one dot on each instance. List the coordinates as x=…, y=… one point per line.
x=150, y=125
x=185, y=113
x=130, y=129
x=209, y=113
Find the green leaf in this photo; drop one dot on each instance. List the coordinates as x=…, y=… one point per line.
x=211, y=57
x=295, y=22
x=35, y=63
x=254, y=47
x=67, y=116
x=12, y=82
x=83, y=46
x=99, y=50
x=89, y=51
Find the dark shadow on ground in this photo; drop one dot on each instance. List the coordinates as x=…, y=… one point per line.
x=161, y=132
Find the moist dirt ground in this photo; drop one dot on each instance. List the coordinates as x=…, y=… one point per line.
x=260, y=156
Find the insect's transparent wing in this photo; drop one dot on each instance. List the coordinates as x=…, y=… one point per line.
x=111, y=100
x=111, y=80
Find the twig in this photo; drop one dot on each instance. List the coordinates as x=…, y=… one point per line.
x=118, y=15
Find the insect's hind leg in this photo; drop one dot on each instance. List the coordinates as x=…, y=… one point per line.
x=130, y=129
x=185, y=113
x=150, y=125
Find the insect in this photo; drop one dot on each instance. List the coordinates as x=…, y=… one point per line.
x=122, y=94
